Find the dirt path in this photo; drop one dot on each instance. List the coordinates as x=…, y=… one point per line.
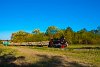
x=35, y=58
x=31, y=53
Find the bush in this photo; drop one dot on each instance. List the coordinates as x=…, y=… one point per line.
x=1, y=42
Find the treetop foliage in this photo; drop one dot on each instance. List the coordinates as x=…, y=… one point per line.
x=80, y=37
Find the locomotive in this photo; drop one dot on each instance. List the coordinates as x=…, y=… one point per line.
x=58, y=43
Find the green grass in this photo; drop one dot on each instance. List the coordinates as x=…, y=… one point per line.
x=5, y=50
x=88, y=54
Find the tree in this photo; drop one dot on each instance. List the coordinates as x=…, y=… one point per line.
x=69, y=34
x=1, y=42
x=51, y=30
x=98, y=30
x=36, y=31
x=19, y=36
x=59, y=34
x=81, y=37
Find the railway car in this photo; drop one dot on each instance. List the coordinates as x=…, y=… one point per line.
x=39, y=44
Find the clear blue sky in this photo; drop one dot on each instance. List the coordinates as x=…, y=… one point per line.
x=28, y=15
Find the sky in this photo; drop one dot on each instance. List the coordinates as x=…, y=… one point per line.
x=28, y=15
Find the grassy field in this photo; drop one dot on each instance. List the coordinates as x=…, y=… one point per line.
x=72, y=56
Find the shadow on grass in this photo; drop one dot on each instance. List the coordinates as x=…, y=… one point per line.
x=45, y=61
x=98, y=48
x=55, y=61
x=7, y=60
x=90, y=48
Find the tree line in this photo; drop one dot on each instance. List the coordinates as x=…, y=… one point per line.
x=80, y=37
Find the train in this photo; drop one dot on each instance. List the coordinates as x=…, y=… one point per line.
x=55, y=42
